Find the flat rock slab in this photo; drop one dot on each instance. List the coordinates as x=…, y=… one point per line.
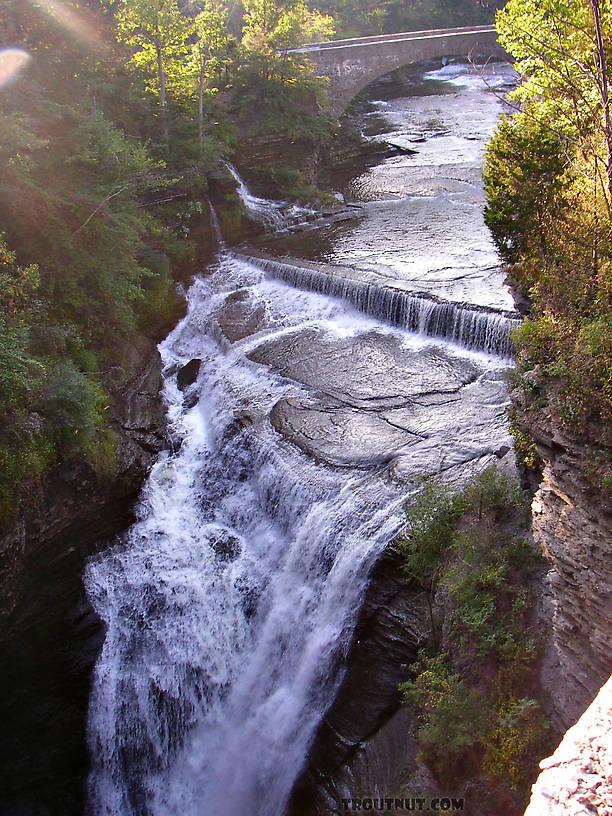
x=338, y=435
x=373, y=401
x=370, y=371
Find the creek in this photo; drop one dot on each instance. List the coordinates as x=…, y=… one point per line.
x=320, y=401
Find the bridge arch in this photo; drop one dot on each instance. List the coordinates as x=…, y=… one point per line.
x=351, y=65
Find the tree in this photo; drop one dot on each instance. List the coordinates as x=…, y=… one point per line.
x=159, y=31
x=522, y=175
x=209, y=48
x=548, y=180
x=275, y=88
x=559, y=47
x=602, y=81
x=272, y=28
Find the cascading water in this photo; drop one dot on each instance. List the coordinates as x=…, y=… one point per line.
x=274, y=215
x=474, y=327
x=230, y=604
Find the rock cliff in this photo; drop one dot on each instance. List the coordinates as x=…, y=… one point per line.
x=49, y=636
x=365, y=735
x=577, y=779
x=572, y=525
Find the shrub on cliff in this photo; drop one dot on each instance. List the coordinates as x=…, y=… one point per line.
x=471, y=693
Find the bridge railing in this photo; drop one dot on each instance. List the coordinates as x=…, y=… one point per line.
x=404, y=35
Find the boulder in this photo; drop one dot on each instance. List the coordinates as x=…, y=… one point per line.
x=188, y=373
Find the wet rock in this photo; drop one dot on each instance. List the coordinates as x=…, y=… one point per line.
x=188, y=373
x=249, y=596
x=49, y=634
x=371, y=371
x=226, y=546
x=333, y=433
x=240, y=317
x=391, y=628
x=240, y=421
x=374, y=402
x=191, y=400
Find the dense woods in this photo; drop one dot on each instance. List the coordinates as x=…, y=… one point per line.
x=354, y=18
x=113, y=115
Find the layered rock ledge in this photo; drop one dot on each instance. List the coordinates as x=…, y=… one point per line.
x=572, y=525
x=577, y=779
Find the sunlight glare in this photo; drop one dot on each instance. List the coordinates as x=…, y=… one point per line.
x=12, y=60
x=76, y=24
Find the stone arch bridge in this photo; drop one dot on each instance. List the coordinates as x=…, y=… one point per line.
x=351, y=65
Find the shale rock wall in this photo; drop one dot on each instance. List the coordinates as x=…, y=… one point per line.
x=572, y=525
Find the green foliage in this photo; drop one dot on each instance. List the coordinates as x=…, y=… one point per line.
x=431, y=520
x=158, y=32
x=469, y=696
x=354, y=18
x=518, y=735
x=524, y=447
x=51, y=410
x=106, y=140
x=522, y=177
x=159, y=305
x=553, y=43
x=20, y=371
x=429, y=531
x=26, y=460
x=465, y=730
x=549, y=207
x=275, y=91
x=73, y=406
x=451, y=719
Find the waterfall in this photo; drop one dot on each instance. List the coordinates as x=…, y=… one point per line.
x=478, y=328
x=273, y=215
x=230, y=604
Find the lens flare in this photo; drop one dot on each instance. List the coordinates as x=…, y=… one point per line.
x=12, y=61
x=77, y=24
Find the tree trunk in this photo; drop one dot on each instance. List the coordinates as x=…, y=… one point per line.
x=162, y=96
x=604, y=89
x=201, y=106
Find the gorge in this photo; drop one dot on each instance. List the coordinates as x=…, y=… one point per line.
x=316, y=377
x=230, y=605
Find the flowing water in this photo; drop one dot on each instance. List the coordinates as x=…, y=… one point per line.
x=230, y=604
x=274, y=215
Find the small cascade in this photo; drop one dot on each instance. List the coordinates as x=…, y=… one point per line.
x=478, y=328
x=274, y=215
x=216, y=226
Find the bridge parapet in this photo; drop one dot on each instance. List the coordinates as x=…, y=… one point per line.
x=353, y=64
